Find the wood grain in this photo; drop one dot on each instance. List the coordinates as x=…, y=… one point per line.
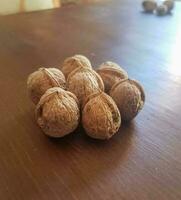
x=143, y=160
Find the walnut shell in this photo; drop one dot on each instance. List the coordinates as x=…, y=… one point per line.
x=100, y=116
x=109, y=64
x=149, y=5
x=129, y=97
x=57, y=112
x=41, y=80
x=74, y=62
x=83, y=82
x=169, y=4
x=162, y=10
x=111, y=73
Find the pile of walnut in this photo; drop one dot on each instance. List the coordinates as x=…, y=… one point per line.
x=100, y=99
x=162, y=8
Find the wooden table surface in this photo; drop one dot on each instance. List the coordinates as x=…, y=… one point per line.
x=143, y=161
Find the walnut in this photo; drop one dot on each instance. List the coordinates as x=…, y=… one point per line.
x=149, y=5
x=162, y=10
x=74, y=62
x=129, y=97
x=111, y=73
x=83, y=82
x=100, y=116
x=41, y=80
x=57, y=112
x=109, y=64
x=169, y=4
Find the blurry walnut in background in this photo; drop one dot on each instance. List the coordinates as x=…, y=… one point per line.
x=100, y=116
x=161, y=10
x=83, y=82
x=57, y=112
x=169, y=4
x=41, y=80
x=74, y=62
x=111, y=73
x=129, y=97
x=149, y=5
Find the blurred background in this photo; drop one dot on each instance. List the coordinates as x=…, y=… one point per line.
x=16, y=6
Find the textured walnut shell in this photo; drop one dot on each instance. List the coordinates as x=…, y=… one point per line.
x=57, y=112
x=84, y=82
x=109, y=64
x=44, y=78
x=111, y=73
x=149, y=5
x=161, y=10
x=100, y=116
x=74, y=62
x=169, y=4
x=129, y=97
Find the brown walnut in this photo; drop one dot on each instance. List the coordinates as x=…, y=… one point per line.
x=44, y=78
x=129, y=97
x=57, y=112
x=84, y=82
x=74, y=62
x=100, y=116
x=111, y=73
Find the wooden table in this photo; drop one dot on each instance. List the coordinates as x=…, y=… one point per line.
x=143, y=161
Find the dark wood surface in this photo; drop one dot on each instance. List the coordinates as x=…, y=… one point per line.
x=143, y=161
